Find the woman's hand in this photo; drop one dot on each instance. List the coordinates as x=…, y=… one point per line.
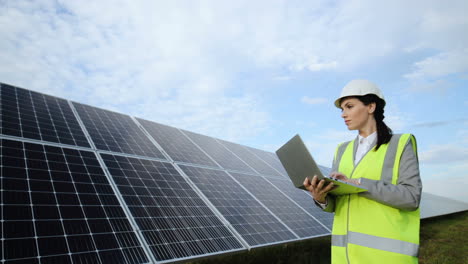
x=318, y=189
x=342, y=177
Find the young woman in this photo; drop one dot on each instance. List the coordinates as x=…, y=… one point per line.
x=382, y=224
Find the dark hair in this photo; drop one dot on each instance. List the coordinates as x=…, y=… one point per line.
x=384, y=133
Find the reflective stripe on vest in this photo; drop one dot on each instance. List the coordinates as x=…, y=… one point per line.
x=381, y=243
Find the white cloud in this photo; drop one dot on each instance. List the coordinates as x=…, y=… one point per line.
x=313, y=101
x=444, y=153
x=440, y=65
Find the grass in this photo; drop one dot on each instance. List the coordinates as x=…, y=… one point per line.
x=444, y=240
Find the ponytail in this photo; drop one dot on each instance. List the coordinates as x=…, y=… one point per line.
x=384, y=133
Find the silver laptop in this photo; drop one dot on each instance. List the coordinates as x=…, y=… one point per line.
x=299, y=164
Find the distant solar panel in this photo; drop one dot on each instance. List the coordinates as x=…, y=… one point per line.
x=37, y=116
x=58, y=207
x=252, y=160
x=252, y=221
x=116, y=132
x=176, y=144
x=290, y=213
x=172, y=217
x=218, y=152
x=303, y=199
x=270, y=158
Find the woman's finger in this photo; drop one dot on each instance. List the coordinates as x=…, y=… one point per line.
x=306, y=182
x=314, y=181
x=329, y=187
x=320, y=185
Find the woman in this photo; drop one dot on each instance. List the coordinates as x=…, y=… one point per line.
x=382, y=224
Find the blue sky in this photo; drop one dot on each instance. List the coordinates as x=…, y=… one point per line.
x=255, y=72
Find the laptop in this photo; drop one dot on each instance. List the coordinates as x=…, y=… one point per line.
x=299, y=164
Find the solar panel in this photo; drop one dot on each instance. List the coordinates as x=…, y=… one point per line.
x=37, y=116
x=252, y=160
x=434, y=205
x=176, y=144
x=270, y=158
x=218, y=152
x=116, y=132
x=290, y=213
x=250, y=219
x=58, y=207
x=303, y=199
x=175, y=222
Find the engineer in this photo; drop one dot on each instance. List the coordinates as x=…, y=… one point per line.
x=380, y=225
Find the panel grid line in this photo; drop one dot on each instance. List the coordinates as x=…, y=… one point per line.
x=235, y=154
x=239, y=207
x=272, y=159
x=59, y=212
x=76, y=165
x=289, y=213
x=293, y=201
x=135, y=179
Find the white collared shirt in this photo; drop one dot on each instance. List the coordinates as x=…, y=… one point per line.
x=364, y=145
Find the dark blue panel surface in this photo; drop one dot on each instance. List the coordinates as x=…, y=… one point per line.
x=175, y=221
x=176, y=144
x=289, y=212
x=252, y=160
x=219, y=153
x=251, y=220
x=57, y=206
x=116, y=132
x=304, y=199
x=270, y=158
x=37, y=116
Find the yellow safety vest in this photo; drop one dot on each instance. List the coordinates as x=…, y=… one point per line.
x=366, y=231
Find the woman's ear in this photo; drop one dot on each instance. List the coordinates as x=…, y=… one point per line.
x=371, y=108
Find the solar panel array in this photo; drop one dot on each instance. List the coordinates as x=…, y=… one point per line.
x=80, y=184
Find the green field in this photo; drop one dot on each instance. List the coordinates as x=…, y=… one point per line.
x=444, y=240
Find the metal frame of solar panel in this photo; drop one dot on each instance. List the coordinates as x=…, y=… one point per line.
x=154, y=192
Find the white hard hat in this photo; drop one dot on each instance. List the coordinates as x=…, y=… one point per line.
x=359, y=88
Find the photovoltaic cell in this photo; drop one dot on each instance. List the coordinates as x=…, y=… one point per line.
x=37, y=116
x=252, y=221
x=176, y=144
x=248, y=157
x=175, y=222
x=218, y=152
x=290, y=213
x=116, y=132
x=57, y=207
x=270, y=158
x=304, y=199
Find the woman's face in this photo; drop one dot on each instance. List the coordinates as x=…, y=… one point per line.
x=356, y=115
